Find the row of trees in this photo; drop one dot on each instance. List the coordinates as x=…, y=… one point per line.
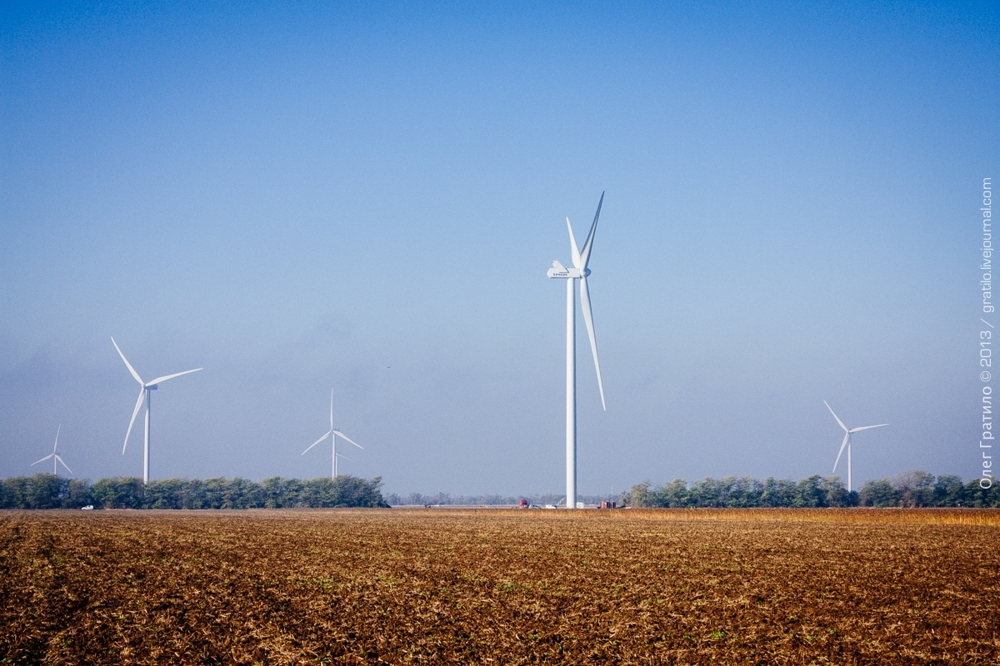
x=47, y=491
x=909, y=489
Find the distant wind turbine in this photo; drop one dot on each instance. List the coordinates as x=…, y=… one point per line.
x=333, y=435
x=579, y=272
x=144, y=389
x=847, y=442
x=55, y=456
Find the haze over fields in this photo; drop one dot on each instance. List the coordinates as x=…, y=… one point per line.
x=367, y=197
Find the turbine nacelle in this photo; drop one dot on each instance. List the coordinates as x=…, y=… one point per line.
x=560, y=271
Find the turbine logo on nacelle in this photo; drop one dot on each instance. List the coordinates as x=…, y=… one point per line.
x=560, y=271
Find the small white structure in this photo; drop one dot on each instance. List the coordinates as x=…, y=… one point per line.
x=847, y=442
x=333, y=435
x=144, y=389
x=55, y=456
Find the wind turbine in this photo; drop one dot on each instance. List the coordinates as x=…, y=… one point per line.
x=579, y=272
x=333, y=435
x=144, y=389
x=847, y=442
x=55, y=456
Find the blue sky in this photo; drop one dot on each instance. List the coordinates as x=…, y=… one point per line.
x=366, y=197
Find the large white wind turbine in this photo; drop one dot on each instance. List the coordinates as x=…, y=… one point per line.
x=847, y=442
x=55, y=456
x=333, y=435
x=144, y=389
x=579, y=272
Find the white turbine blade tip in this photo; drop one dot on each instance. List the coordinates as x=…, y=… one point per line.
x=342, y=435
x=585, y=252
x=127, y=364
x=317, y=442
x=64, y=464
x=176, y=374
x=847, y=437
x=835, y=416
x=573, y=247
x=588, y=317
x=880, y=425
x=42, y=460
x=135, y=412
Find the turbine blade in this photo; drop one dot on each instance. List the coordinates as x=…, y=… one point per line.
x=159, y=380
x=839, y=453
x=331, y=410
x=835, y=416
x=572, y=246
x=585, y=252
x=127, y=364
x=588, y=317
x=54, y=446
x=868, y=427
x=317, y=442
x=42, y=460
x=60, y=460
x=342, y=435
x=138, y=406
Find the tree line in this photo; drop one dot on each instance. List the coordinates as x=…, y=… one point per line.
x=47, y=491
x=909, y=489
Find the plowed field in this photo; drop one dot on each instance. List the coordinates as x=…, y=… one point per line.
x=437, y=586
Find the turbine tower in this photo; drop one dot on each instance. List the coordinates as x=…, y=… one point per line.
x=579, y=272
x=333, y=435
x=847, y=442
x=55, y=456
x=144, y=389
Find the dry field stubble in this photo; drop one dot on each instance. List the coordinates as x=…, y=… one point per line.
x=780, y=586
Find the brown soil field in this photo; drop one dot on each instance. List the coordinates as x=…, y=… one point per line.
x=501, y=586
